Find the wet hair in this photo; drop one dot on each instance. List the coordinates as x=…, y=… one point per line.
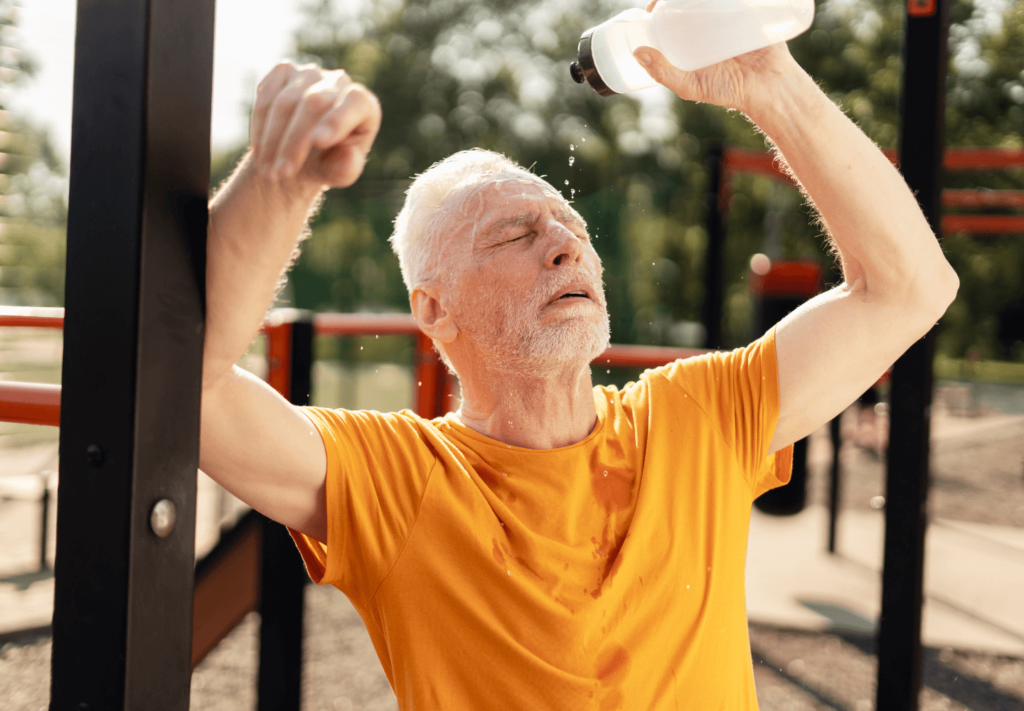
x=421, y=228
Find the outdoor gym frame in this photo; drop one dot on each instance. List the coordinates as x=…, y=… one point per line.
x=129, y=405
x=255, y=566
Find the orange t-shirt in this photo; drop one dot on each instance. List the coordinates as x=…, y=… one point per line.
x=603, y=575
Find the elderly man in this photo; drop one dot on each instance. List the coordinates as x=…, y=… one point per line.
x=551, y=545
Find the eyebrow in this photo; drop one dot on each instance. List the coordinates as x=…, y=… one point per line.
x=564, y=216
x=501, y=225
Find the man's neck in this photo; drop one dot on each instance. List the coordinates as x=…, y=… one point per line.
x=534, y=412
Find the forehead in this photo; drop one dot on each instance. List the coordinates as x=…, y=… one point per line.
x=497, y=203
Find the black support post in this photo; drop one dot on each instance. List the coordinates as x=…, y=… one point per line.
x=133, y=336
x=714, y=277
x=834, y=482
x=282, y=573
x=921, y=151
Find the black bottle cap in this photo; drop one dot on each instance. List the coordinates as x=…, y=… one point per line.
x=585, y=69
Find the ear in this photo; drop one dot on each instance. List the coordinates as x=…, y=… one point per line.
x=431, y=313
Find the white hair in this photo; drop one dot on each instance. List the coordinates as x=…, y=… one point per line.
x=423, y=222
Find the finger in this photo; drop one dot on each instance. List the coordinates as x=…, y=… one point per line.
x=296, y=143
x=268, y=88
x=650, y=5
x=280, y=115
x=345, y=136
x=660, y=70
x=354, y=121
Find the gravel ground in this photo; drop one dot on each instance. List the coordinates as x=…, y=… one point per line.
x=794, y=671
x=978, y=476
x=977, y=469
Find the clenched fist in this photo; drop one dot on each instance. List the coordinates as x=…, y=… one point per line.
x=313, y=126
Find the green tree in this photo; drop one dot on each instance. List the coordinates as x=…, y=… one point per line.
x=453, y=74
x=33, y=214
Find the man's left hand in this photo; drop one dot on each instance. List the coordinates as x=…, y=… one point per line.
x=737, y=83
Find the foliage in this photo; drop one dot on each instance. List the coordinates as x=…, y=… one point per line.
x=32, y=207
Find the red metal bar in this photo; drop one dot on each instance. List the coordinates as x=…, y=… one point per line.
x=279, y=357
x=17, y=316
x=643, y=356
x=30, y=403
x=365, y=325
x=979, y=199
x=430, y=376
x=957, y=160
x=37, y=404
x=983, y=224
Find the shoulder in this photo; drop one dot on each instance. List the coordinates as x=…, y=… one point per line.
x=722, y=371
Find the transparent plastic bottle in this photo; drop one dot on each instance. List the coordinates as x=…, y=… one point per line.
x=690, y=33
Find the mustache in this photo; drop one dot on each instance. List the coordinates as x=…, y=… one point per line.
x=542, y=293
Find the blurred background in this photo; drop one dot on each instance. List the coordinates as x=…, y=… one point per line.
x=454, y=74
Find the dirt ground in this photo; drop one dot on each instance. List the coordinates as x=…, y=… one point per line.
x=794, y=671
x=978, y=476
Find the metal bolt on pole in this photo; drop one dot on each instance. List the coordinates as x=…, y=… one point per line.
x=133, y=337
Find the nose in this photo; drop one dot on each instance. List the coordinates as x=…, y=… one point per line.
x=566, y=248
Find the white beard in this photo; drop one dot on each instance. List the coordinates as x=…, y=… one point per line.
x=513, y=342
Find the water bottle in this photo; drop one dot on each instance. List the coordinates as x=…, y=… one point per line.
x=692, y=34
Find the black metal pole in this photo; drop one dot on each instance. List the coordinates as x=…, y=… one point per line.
x=282, y=573
x=44, y=523
x=714, y=289
x=834, y=482
x=133, y=337
x=921, y=150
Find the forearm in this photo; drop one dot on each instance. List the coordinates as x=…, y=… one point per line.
x=255, y=225
x=886, y=246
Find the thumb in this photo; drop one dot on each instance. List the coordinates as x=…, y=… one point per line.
x=658, y=67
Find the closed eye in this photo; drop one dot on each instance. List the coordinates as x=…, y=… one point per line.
x=516, y=239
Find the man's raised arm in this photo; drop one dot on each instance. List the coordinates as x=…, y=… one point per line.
x=897, y=282
x=311, y=130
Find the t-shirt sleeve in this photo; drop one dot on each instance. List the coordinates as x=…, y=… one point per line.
x=739, y=391
x=378, y=466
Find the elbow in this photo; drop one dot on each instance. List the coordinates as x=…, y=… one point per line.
x=935, y=292
x=944, y=289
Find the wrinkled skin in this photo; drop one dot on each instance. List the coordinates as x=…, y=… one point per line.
x=521, y=352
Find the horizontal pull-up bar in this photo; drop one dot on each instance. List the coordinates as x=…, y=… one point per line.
x=19, y=316
x=38, y=404
x=983, y=224
x=956, y=160
x=30, y=403
x=978, y=199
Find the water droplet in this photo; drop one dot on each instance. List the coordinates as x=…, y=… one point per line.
x=360, y=348
x=572, y=192
x=420, y=383
x=504, y=474
x=377, y=336
x=572, y=159
x=584, y=140
x=566, y=182
x=571, y=148
x=608, y=371
x=606, y=473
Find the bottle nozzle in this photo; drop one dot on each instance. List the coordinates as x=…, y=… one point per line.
x=576, y=72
